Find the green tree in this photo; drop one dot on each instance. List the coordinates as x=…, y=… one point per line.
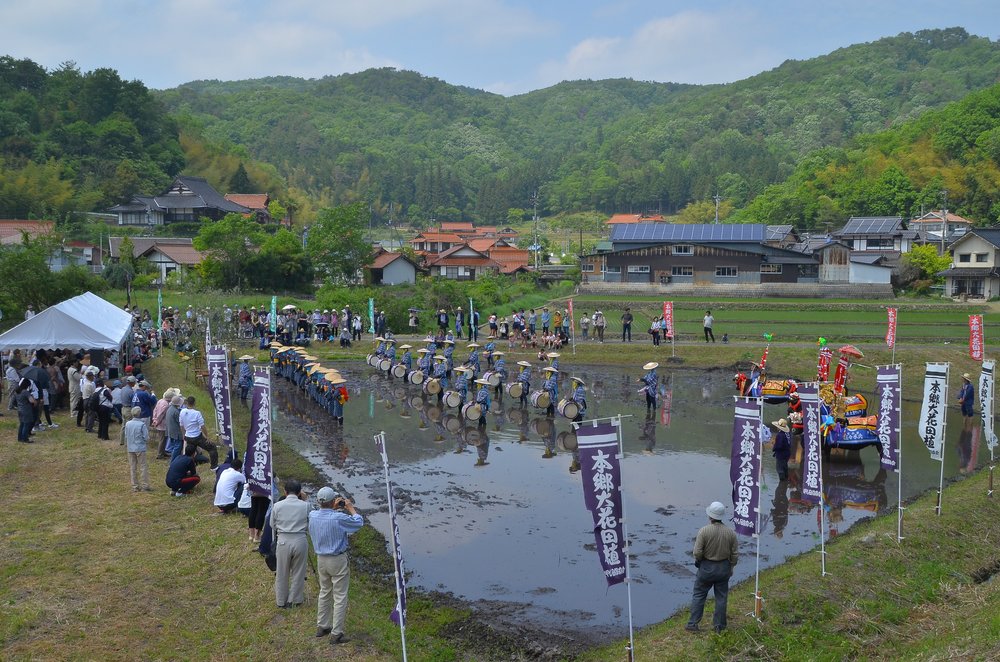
x=337, y=244
x=240, y=181
x=231, y=245
x=281, y=262
x=926, y=259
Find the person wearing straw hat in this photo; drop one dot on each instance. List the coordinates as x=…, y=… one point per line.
x=483, y=400
x=716, y=552
x=459, y=322
x=424, y=361
x=449, y=353
x=441, y=374
x=524, y=376
x=781, y=448
x=380, y=348
x=488, y=348
x=406, y=360
x=553, y=359
x=390, y=352
x=462, y=383
x=473, y=360
x=500, y=366
x=551, y=384
x=442, y=319
x=579, y=397
x=967, y=398
x=651, y=382
x=340, y=396
x=245, y=380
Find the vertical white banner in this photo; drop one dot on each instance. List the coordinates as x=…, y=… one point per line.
x=932, y=411
x=986, y=385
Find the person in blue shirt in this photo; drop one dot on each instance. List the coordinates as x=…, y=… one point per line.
x=579, y=397
x=553, y=358
x=483, y=400
x=441, y=374
x=967, y=398
x=488, y=350
x=551, y=384
x=459, y=322
x=329, y=528
x=424, y=362
x=245, y=380
x=431, y=345
x=546, y=319
x=473, y=360
x=524, y=376
x=651, y=382
x=449, y=355
x=462, y=383
x=407, y=359
x=380, y=348
x=500, y=366
x=390, y=353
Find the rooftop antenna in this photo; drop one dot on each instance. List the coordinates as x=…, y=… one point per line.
x=718, y=199
x=944, y=220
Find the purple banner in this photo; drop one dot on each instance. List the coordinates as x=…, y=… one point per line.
x=218, y=385
x=812, y=468
x=600, y=468
x=888, y=397
x=398, y=615
x=257, y=463
x=744, y=467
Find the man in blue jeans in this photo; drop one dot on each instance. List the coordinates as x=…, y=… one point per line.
x=715, y=555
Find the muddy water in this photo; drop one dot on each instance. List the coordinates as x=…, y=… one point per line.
x=496, y=516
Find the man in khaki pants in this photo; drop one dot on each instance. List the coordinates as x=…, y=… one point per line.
x=328, y=528
x=289, y=521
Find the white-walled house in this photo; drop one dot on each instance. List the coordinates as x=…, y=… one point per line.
x=973, y=273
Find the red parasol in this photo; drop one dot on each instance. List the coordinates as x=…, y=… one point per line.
x=851, y=350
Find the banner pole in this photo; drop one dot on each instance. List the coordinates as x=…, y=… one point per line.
x=822, y=510
x=944, y=438
x=628, y=542
x=899, y=461
x=392, y=519
x=758, y=601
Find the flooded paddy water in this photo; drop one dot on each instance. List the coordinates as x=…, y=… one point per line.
x=495, y=517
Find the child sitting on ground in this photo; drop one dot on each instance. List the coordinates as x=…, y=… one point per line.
x=725, y=338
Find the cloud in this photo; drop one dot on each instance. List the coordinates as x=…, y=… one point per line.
x=687, y=47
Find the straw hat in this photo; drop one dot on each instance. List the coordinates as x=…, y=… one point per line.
x=405, y=346
x=652, y=365
x=782, y=425
x=428, y=339
x=472, y=345
x=463, y=368
x=579, y=381
x=967, y=377
x=380, y=338
x=549, y=368
x=246, y=357
x=497, y=353
x=423, y=350
x=336, y=381
x=524, y=363
x=553, y=355
x=449, y=342
x=438, y=357
x=483, y=382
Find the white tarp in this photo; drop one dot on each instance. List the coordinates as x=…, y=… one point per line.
x=83, y=322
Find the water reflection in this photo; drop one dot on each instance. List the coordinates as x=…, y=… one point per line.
x=493, y=513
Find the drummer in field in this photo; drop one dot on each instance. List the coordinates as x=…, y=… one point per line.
x=441, y=374
x=423, y=362
x=491, y=344
x=524, y=376
x=553, y=359
x=500, y=366
x=380, y=348
x=407, y=359
x=651, y=382
x=473, y=360
x=462, y=383
x=579, y=397
x=390, y=353
x=483, y=400
x=449, y=351
x=551, y=385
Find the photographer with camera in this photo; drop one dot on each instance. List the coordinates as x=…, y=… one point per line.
x=328, y=528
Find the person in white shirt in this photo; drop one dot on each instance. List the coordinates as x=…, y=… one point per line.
x=195, y=434
x=226, y=490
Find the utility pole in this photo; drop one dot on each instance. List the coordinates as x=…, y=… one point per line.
x=718, y=199
x=534, y=218
x=944, y=221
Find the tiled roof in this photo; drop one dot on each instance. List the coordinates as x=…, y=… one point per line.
x=179, y=253
x=935, y=217
x=482, y=245
x=14, y=227
x=143, y=244
x=779, y=232
x=436, y=237
x=989, y=234
x=199, y=194
x=249, y=200
x=634, y=218
x=695, y=232
x=463, y=261
x=385, y=259
x=453, y=226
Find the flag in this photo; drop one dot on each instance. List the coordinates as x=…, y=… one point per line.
x=763, y=358
x=257, y=462
x=274, y=314
x=976, y=337
x=744, y=467
x=600, y=452
x=812, y=469
x=823, y=367
x=668, y=316
x=218, y=385
x=398, y=615
x=159, y=310
x=371, y=315
x=840, y=377
x=571, y=326
x=208, y=334
x=887, y=427
x=932, y=411
x=890, y=334
x=986, y=401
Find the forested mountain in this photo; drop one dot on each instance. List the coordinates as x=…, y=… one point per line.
x=78, y=141
x=434, y=149
x=947, y=156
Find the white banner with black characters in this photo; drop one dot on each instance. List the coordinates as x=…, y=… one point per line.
x=986, y=385
x=932, y=411
x=812, y=480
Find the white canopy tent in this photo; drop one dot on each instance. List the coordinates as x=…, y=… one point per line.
x=83, y=322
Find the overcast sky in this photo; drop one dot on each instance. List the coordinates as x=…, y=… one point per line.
x=505, y=46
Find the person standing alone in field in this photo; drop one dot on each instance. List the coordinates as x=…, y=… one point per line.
x=328, y=528
x=707, y=324
x=627, y=325
x=967, y=400
x=716, y=552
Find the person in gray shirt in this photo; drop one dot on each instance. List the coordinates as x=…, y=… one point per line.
x=127, y=392
x=136, y=437
x=175, y=438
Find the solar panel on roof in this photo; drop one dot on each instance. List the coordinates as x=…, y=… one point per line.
x=872, y=225
x=667, y=232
